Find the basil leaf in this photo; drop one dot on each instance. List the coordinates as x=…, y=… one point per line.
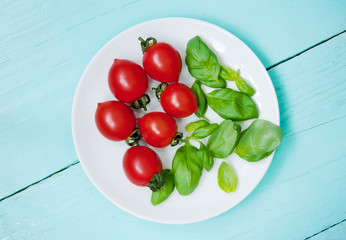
x=259, y=140
x=226, y=178
x=214, y=83
x=244, y=87
x=230, y=104
x=187, y=169
x=168, y=186
x=205, y=155
x=201, y=61
x=203, y=64
x=202, y=104
x=223, y=141
x=195, y=125
x=227, y=73
x=204, y=131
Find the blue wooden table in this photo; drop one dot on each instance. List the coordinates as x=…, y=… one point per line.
x=44, y=48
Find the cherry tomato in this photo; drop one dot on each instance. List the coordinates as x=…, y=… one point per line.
x=178, y=100
x=161, y=61
x=115, y=120
x=141, y=164
x=157, y=128
x=127, y=80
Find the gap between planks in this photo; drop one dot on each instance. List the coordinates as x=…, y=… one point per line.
x=305, y=50
x=327, y=228
x=41, y=180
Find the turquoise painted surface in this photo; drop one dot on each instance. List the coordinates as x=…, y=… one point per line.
x=44, y=48
x=303, y=189
x=332, y=233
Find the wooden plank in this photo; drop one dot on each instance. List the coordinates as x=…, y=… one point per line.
x=302, y=193
x=332, y=233
x=45, y=46
x=313, y=93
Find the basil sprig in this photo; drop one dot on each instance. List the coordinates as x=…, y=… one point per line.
x=253, y=144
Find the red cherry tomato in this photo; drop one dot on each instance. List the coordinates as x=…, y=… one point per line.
x=157, y=128
x=141, y=164
x=115, y=120
x=161, y=61
x=178, y=100
x=127, y=80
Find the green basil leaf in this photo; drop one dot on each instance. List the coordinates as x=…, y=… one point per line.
x=242, y=133
x=226, y=178
x=259, y=140
x=229, y=74
x=202, y=104
x=167, y=188
x=195, y=125
x=201, y=61
x=203, y=64
x=231, y=104
x=204, y=131
x=223, y=141
x=187, y=169
x=244, y=87
x=205, y=155
x=214, y=83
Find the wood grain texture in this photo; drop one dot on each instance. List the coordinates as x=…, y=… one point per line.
x=302, y=193
x=45, y=46
x=284, y=206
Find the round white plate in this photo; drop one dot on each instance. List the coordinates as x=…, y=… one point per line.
x=102, y=159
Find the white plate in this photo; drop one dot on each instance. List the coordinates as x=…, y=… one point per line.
x=102, y=159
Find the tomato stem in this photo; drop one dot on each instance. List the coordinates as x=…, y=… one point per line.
x=156, y=182
x=159, y=90
x=146, y=44
x=141, y=102
x=177, y=139
x=134, y=137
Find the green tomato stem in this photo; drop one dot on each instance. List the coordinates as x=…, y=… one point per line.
x=134, y=137
x=159, y=90
x=156, y=182
x=141, y=102
x=177, y=139
x=146, y=44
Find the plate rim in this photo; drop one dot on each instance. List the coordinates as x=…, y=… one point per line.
x=77, y=93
